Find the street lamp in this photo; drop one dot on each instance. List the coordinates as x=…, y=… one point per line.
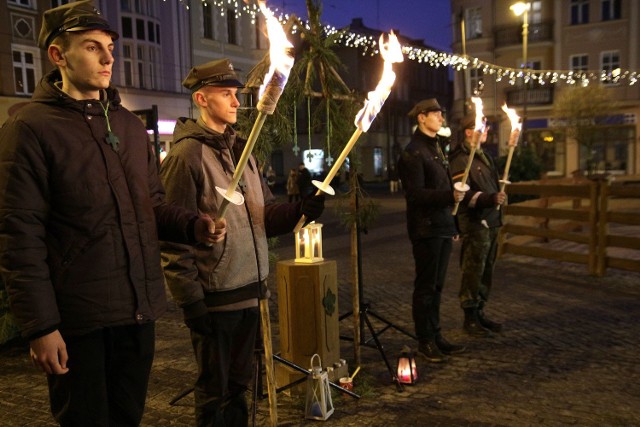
x=522, y=8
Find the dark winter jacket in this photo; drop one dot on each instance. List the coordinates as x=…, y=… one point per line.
x=236, y=269
x=483, y=183
x=428, y=188
x=79, y=221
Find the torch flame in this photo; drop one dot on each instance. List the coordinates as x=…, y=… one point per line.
x=513, y=118
x=479, y=126
x=279, y=46
x=391, y=52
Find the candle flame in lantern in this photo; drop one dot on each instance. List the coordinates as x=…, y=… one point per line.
x=513, y=117
x=391, y=52
x=279, y=47
x=479, y=126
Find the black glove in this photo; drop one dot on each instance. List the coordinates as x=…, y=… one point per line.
x=486, y=200
x=312, y=207
x=197, y=318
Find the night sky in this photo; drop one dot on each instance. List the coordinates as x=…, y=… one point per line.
x=428, y=20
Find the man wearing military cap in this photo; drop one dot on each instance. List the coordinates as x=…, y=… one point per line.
x=430, y=197
x=218, y=287
x=479, y=223
x=80, y=214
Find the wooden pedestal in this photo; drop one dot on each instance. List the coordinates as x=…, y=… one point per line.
x=308, y=316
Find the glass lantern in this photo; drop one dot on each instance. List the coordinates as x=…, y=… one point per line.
x=309, y=243
x=319, y=405
x=407, y=370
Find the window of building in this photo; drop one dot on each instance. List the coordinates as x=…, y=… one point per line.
x=579, y=12
x=609, y=150
x=23, y=3
x=207, y=21
x=611, y=9
x=127, y=64
x=26, y=70
x=549, y=146
x=140, y=29
x=140, y=61
x=610, y=63
x=125, y=5
x=476, y=82
x=127, y=27
x=150, y=32
x=473, y=22
x=536, y=12
x=56, y=3
x=141, y=53
x=579, y=62
x=232, y=32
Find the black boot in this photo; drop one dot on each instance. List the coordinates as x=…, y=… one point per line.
x=447, y=348
x=472, y=325
x=488, y=323
x=430, y=351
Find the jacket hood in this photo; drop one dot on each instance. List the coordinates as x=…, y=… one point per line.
x=48, y=92
x=190, y=128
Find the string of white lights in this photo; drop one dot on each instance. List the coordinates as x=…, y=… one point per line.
x=369, y=46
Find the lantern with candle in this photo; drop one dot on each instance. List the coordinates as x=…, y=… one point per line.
x=309, y=243
x=407, y=369
x=319, y=405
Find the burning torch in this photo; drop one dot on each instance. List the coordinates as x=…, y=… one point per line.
x=391, y=52
x=516, y=127
x=475, y=139
x=281, y=61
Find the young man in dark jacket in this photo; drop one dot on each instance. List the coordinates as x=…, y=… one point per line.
x=424, y=171
x=81, y=208
x=219, y=286
x=479, y=223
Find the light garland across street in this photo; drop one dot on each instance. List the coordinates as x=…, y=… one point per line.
x=369, y=46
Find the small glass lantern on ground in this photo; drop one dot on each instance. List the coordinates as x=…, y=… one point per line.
x=309, y=244
x=319, y=405
x=407, y=370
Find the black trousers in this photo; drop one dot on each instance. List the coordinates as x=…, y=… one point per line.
x=431, y=258
x=107, y=380
x=225, y=368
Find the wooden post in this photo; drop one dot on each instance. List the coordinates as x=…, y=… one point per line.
x=268, y=361
x=355, y=276
x=599, y=226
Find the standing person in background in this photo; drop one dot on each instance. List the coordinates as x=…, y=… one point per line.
x=292, y=186
x=81, y=209
x=479, y=223
x=305, y=187
x=424, y=171
x=218, y=287
x=271, y=178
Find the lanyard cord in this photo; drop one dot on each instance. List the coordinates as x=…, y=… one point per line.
x=106, y=114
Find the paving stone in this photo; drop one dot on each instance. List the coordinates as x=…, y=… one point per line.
x=567, y=356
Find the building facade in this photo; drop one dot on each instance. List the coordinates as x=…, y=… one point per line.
x=161, y=40
x=598, y=37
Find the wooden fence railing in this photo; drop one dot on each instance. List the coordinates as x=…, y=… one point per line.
x=591, y=222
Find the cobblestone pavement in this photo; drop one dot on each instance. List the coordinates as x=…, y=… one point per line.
x=568, y=354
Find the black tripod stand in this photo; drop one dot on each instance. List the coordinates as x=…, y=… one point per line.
x=365, y=310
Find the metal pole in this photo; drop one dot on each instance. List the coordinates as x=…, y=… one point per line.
x=525, y=66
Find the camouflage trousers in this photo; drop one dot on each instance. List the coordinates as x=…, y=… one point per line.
x=477, y=259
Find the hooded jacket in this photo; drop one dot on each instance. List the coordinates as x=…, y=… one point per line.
x=428, y=188
x=235, y=270
x=483, y=182
x=79, y=221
